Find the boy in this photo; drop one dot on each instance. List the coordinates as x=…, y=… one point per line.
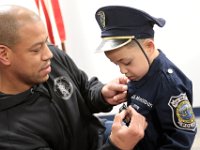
x=157, y=89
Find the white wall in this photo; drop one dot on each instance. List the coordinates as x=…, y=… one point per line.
x=26, y=3
x=179, y=38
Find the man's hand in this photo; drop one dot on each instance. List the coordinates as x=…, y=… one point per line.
x=115, y=91
x=126, y=137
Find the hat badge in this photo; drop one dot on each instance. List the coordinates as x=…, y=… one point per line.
x=101, y=16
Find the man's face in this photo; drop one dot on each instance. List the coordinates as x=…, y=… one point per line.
x=30, y=57
x=130, y=60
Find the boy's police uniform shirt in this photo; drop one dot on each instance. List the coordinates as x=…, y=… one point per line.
x=164, y=97
x=164, y=94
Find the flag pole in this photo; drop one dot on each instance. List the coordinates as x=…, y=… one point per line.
x=63, y=46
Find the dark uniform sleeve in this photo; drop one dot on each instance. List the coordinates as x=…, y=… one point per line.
x=85, y=99
x=175, y=113
x=90, y=89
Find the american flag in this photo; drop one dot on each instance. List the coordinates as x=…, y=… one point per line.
x=50, y=12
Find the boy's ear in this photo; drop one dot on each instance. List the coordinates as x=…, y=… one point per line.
x=4, y=59
x=149, y=43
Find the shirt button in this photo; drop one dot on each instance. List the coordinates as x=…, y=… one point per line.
x=170, y=70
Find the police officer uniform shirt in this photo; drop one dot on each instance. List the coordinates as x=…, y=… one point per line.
x=164, y=94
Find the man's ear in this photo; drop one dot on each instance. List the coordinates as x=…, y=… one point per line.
x=4, y=59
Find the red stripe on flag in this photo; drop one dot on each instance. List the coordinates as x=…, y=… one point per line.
x=58, y=19
x=48, y=21
x=37, y=4
x=47, y=18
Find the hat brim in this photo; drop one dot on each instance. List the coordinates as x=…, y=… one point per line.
x=112, y=44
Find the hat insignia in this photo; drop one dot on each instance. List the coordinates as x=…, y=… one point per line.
x=102, y=19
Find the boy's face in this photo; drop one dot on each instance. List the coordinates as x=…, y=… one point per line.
x=130, y=60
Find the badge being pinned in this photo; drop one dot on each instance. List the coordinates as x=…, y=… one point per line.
x=182, y=113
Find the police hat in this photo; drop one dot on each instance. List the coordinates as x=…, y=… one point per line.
x=120, y=24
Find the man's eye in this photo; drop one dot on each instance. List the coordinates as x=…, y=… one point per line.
x=36, y=49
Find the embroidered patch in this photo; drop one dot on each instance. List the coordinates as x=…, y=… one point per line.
x=141, y=100
x=63, y=88
x=182, y=113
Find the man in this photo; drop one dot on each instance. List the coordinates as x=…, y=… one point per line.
x=46, y=102
x=158, y=89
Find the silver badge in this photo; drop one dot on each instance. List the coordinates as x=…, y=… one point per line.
x=63, y=87
x=101, y=19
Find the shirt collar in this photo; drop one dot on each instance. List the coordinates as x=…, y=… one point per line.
x=155, y=67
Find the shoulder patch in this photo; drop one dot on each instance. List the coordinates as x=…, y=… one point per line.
x=182, y=112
